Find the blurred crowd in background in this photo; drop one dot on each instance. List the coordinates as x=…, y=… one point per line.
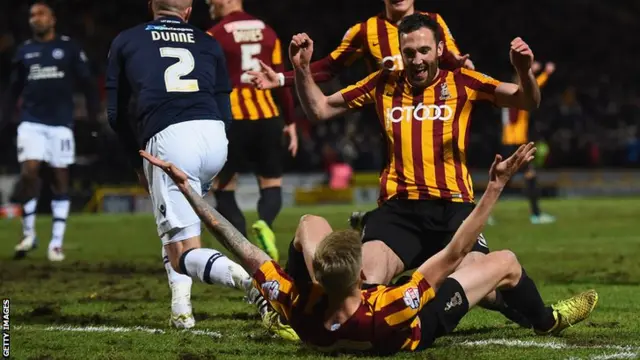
x=589, y=117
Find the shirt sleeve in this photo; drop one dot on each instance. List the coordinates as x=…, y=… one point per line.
x=362, y=92
x=118, y=98
x=483, y=87
x=399, y=305
x=284, y=95
x=89, y=86
x=276, y=287
x=223, y=85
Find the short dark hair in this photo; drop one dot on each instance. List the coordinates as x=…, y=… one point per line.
x=418, y=21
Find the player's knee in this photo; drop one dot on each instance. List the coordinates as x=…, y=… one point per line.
x=29, y=176
x=510, y=264
x=269, y=182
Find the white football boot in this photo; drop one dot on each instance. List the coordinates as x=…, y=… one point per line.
x=25, y=245
x=55, y=254
x=181, y=311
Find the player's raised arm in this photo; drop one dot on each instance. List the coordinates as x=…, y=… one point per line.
x=88, y=84
x=118, y=98
x=316, y=105
x=441, y=265
x=526, y=94
x=16, y=85
x=250, y=255
x=285, y=99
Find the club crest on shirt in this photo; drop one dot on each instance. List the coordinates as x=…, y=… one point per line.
x=444, y=92
x=271, y=289
x=412, y=298
x=57, y=54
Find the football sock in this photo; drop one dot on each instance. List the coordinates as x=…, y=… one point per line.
x=228, y=207
x=60, y=210
x=29, y=217
x=526, y=300
x=270, y=204
x=212, y=267
x=173, y=276
x=500, y=306
x=532, y=194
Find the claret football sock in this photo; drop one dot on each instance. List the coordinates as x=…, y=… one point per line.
x=526, y=300
x=532, y=195
x=228, y=207
x=270, y=204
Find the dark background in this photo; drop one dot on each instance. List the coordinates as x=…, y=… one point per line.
x=589, y=115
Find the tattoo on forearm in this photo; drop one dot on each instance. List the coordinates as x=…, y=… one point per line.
x=250, y=255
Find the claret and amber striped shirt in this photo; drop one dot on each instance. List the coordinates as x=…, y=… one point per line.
x=246, y=39
x=426, y=131
x=375, y=40
x=386, y=321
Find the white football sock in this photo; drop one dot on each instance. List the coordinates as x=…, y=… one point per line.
x=60, y=210
x=29, y=217
x=212, y=267
x=173, y=276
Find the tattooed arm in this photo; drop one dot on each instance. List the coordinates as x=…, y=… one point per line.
x=250, y=255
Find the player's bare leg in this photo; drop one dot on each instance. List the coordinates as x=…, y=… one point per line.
x=493, y=300
x=269, y=206
x=501, y=270
x=379, y=263
x=60, y=204
x=27, y=194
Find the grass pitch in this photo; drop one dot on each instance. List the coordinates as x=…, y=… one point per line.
x=110, y=298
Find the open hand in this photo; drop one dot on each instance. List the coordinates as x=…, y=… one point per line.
x=264, y=79
x=521, y=55
x=502, y=170
x=301, y=50
x=178, y=176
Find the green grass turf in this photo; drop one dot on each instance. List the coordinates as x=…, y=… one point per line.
x=113, y=277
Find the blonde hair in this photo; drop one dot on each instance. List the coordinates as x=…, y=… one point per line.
x=337, y=262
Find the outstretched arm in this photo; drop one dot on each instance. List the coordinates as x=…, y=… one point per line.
x=441, y=265
x=316, y=105
x=250, y=255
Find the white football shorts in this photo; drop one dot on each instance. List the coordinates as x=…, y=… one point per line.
x=199, y=148
x=54, y=145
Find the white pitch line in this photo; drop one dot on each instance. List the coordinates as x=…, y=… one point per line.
x=625, y=351
x=546, y=345
x=120, y=329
